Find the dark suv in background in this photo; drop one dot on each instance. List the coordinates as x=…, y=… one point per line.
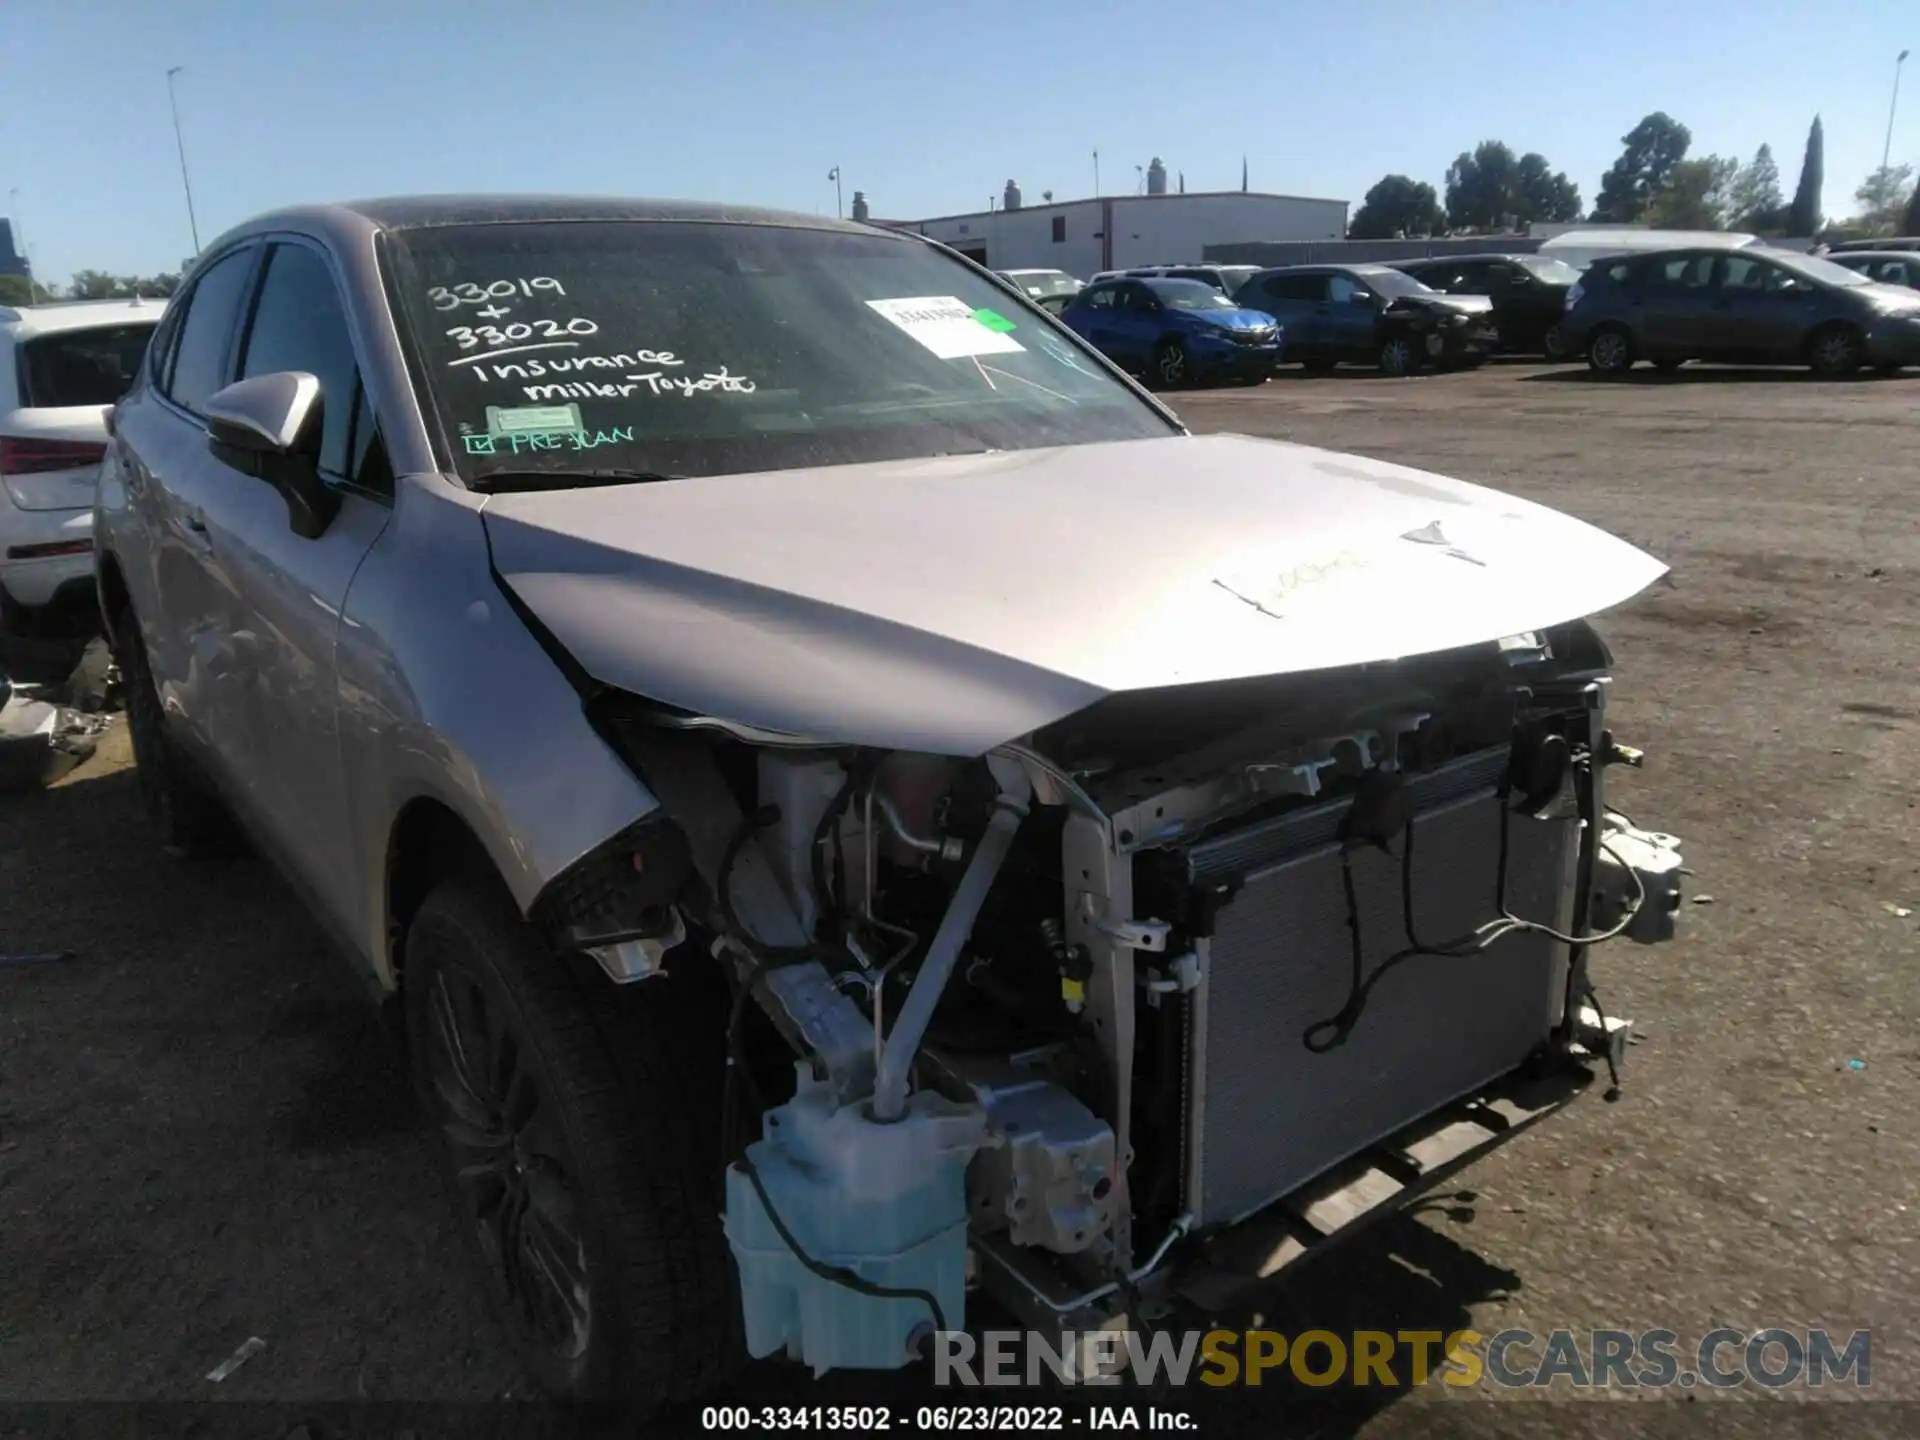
x=1748, y=307
x=1529, y=294
x=1371, y=315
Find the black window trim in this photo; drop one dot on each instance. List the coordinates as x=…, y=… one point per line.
x=164, y=390
x=243, y=337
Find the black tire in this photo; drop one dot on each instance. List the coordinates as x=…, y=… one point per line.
x=1888, y=367
x=1399, y=355
x=1553, y=344
x=1169, y=369
x=1667, y=365
x=587, y=1119
x=1835, y=350
x=1610, y=351
x=1318, y=365
x=187, y=818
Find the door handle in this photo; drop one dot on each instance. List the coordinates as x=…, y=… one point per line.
x=196, y=528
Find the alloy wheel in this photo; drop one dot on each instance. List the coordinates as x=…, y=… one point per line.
x=511, y=1163
x=1172, y=365
x=1610, y=351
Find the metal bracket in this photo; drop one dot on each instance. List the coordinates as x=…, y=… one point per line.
x=1181, y=977
x=1149, y=935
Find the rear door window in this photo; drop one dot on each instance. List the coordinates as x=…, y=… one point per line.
x=1295, y=287
x=203, y=355
x=82, y=367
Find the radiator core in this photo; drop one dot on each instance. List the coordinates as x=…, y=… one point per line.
x=1265, y=1114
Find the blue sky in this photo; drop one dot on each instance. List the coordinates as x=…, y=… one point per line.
x=928, y=108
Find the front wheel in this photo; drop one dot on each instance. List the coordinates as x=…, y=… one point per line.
x=1399, y=356
x=1169, y=368
x=581, y=1126
x=1835, y=350
x=1553, y=344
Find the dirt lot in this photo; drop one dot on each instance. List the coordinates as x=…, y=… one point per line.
x=204, y=1135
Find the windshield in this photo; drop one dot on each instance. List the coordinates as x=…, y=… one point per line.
x=1044, y=283
x=1188, y=295
x=1391, y=282
x=1544, y=267
x=1234, y=276
x=1816, y=269
x=674, y=348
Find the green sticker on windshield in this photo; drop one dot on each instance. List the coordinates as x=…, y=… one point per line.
x=531, y=419
x=994, y=321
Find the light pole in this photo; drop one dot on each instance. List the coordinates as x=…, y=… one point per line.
x=1886, y=152
x=180, y=144
x=834, y=176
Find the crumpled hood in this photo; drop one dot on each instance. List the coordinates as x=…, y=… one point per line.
x=1452, y=304
x=953, y=603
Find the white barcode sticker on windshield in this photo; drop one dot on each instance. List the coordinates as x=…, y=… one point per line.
x=948, y=326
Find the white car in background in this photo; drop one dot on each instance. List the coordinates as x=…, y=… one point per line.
x=1049, y=289
x=62, y=368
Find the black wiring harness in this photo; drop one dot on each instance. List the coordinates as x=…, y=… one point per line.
x=767, y=959
x=1381, y=811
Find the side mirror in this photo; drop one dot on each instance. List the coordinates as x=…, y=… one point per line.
x=268, y=427
x=1363, y=297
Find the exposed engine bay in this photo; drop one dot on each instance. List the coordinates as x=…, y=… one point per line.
x=1044, y=1018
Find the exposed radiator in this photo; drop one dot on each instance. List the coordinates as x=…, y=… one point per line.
x=1264, y=1113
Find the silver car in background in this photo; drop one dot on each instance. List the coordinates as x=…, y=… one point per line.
x=845, y=791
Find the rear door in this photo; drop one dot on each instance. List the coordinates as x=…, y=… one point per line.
x=1677, y=298
x=1294, y=298
x=287, y=593
x=180, y=596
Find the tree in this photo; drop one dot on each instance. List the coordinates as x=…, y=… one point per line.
x=1803, y=215
x=1882, y=196
x=1911, y=225
x=1754, y=201
x=99, y=285
x=1695, y=196
x=1651, y=150
x=1545, y=194
x=1483, y=188
x=1396, y=206
x=19, y=290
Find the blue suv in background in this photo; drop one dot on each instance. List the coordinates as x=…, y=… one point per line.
x=1175, y=332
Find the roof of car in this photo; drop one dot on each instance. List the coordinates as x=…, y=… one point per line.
x=354, y=219
x=1476, y=257
x=1845, y=255
x=412, y=212
x=57, y=315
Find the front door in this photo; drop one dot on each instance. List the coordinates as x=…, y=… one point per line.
x=179, y=590
x=287, y=593
x=1764, y=310
x=1349, y=319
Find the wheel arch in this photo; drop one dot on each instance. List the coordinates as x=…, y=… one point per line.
x=428, y=842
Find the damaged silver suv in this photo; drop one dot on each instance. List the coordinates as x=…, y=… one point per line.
x=856, y=806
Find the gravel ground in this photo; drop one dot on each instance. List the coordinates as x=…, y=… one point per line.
x=204, y=1135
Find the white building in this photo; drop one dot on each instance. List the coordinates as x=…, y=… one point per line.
x=1114, y=232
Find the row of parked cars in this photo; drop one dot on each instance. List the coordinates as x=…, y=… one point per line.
x=1728, y=299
